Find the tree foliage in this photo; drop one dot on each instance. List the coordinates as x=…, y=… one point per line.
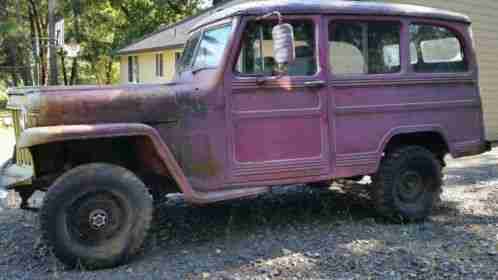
x=100, y=26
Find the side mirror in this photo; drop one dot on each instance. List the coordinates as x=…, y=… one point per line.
x=284, y=50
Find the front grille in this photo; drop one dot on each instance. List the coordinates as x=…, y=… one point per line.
x=23, y=156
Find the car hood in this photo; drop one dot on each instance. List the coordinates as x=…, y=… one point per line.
x=49, y=106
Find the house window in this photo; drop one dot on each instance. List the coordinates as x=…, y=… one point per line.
x=436, y=49
x=133, y=71
x=159, y=65
x=364, y=47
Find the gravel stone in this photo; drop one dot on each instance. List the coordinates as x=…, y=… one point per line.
x=293, y=233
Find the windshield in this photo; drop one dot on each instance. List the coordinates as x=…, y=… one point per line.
x=206, y=52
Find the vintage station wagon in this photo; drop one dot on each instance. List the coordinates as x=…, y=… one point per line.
x=267, y=94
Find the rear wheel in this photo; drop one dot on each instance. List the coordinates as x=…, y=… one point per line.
x=96, y=215
x=407, y=184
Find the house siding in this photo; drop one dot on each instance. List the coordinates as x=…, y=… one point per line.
x=147, y=67
x=123, y=69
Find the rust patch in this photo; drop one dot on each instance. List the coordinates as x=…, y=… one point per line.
x=197, y=157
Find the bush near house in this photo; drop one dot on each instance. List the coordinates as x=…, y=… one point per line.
x=3, y=97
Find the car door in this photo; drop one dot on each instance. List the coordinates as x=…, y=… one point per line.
x=278, y=125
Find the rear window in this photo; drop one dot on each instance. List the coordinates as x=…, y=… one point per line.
x=436, y=49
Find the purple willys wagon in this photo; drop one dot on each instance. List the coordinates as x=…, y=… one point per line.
x=267, y=94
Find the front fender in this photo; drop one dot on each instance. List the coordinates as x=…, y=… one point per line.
x=44, y=135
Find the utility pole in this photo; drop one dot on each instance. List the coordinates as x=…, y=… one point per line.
x=52, y=48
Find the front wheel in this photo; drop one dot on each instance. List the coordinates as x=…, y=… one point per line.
x=96, y=215
x=407, y=184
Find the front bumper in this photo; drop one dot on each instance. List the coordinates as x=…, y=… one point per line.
x=13, y=175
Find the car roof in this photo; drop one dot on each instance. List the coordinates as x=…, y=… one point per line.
x=332, y=7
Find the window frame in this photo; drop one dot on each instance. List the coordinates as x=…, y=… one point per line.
x=316, y=20
x=133, y=69
x=159, y=64
x=201, y=30
x=189, y=66
x=130, y=69
x=204, y=31
x=459, y=33
x=404, y=40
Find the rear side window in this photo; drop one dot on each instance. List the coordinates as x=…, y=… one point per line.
x=436, y=49
x=364, y=47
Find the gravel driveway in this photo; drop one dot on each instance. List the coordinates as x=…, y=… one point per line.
x=296, y=233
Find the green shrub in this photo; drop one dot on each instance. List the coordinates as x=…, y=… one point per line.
x=3, y=97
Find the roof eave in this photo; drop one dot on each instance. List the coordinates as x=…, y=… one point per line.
x=146, y=50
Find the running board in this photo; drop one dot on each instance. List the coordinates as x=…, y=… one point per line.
x=217, y=196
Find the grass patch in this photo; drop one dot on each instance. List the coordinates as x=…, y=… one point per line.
x=4, y=113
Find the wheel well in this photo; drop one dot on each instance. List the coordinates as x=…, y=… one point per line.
x=136, y=154
x=433, y=141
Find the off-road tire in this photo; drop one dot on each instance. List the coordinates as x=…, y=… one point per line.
x=389, y=192
x=97, y=186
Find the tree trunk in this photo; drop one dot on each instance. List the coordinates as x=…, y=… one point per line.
x=40, y=33
x=12, y=61
x=109, y=72
x=52, y=49
x=74, y=72
x=34, y=48
x=74, y=67
x=63, y=65
x=26, y=73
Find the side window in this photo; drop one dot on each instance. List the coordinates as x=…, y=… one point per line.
x=212, y=46
x=256, y=54
x=364, y=47
x=437, y=50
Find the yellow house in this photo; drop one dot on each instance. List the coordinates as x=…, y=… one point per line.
x=143, y=60
x=153, y=58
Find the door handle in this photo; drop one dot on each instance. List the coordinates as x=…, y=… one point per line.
x=315, y=84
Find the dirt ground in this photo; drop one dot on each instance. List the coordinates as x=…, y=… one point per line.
x=295, y=233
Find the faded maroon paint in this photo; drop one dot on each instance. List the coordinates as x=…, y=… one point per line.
x=328, y=7
x=230, y=136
